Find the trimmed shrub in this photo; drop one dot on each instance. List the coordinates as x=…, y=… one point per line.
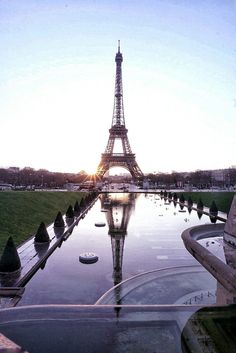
x=200, y=204
x=76, y=208
x=181, y=199
x=70, y=212
x=10, y=260
x=42, y=235
x=82, y=203
x=59, y=221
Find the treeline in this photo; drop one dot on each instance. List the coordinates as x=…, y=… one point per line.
x=39, y=178
x=201, y=179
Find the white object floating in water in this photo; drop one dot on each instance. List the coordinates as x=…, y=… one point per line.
x=100, y=224
x=88, y=258
x=104, y=210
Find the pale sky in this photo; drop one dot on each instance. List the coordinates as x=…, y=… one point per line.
x=57, y=77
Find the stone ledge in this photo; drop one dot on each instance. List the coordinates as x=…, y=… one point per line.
x=225, y=274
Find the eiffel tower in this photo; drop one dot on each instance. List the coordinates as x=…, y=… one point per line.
x=118, y=131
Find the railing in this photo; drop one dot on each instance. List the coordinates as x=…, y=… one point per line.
x=118, y=154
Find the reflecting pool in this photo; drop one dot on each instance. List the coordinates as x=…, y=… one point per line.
x=142, y=235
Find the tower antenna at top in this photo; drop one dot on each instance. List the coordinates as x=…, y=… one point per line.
x=118, y=46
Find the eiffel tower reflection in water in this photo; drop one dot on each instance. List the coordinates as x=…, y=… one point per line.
x=118, y=207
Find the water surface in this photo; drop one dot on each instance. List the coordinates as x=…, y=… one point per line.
x=142, y=233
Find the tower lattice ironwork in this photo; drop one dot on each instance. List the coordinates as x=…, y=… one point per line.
x=118, y=131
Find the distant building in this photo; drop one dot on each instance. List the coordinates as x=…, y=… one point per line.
x=4, y=186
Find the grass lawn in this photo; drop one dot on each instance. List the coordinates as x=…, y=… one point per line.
x=222, y=199
x=21, y=212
